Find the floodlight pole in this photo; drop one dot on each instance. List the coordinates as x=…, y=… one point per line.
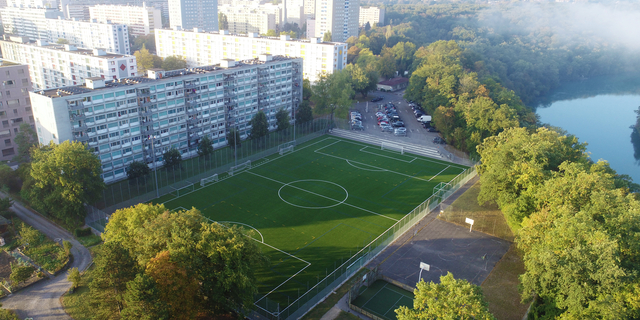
x=155, y=166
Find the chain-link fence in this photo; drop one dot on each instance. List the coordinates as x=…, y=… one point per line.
x=345, y=269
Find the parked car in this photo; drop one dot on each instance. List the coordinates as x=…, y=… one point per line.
x=400, y=131
x=387, y=128
x=357, y=127
x=432, y=129
x=398, y=124
x=438, y=140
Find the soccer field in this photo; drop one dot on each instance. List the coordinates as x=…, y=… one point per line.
x=315, y=207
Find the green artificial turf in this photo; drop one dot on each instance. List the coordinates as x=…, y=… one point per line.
x=383, y=298
x=312, y=209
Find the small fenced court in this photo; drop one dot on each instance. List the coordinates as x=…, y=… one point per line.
x=319, y=211
x=377, y=296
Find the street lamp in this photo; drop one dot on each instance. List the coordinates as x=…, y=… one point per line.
x=155, y=170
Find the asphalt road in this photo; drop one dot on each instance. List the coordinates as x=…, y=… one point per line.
x=42, y=300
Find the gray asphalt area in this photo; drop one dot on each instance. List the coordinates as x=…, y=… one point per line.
x=446, y=247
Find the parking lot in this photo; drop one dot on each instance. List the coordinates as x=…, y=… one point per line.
x=415, y=132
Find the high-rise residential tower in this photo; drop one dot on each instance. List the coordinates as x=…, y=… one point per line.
x=15, y=106
x=189, y=14
x=340, y=17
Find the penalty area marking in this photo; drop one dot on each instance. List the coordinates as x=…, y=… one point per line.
x=179, y=208
x=375, y=170
x=437, y=174
x=244, y=224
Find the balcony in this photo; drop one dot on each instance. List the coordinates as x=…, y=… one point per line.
x=76, y=107
x=77, y=117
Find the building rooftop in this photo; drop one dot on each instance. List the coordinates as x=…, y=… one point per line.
x=6, y=63
x=63, y=47
x=124, y=82
x=257, y=36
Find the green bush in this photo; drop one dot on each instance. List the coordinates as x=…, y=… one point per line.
x=21, y=273
x=82, y=232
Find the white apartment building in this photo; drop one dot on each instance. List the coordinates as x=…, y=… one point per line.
x=53, y=66
x=203, y=48
x=373, y=15
x=245, y=19
x=141, y=20
x=28, y=22
x=79, y=9
x=189, y=14
x=113, y=38
x=33, y=3
x=310, y=9
x=340, y=17
x=295, y=12
x=177, y=108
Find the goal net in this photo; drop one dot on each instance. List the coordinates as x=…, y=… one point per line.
x=240, y=167
x=391, y=146
x=180, y=191
x=286, y=145
x=204, y=181
x=286, y=149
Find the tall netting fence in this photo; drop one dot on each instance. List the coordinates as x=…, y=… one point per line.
x=340, y=271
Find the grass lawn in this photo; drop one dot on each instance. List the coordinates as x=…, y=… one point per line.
x=48, y=254
x=90, y=240
x=346, y=316
x=324, y=306
x=77, y=304
x=487, y=217
x=313, y=209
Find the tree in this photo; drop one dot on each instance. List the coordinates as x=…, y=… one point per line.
x=450, y=299
x=515, y=161
x=9, y=178
x=282, y=119
x=327, y=37
x=30, y=236
x=333, y=93
x=307, y=92
x=62, y=41
x=26, y=139
x=6, y=314
x=361, y=80
x=223, y=22
x=113, y=268
x=174, y=62
x=177, y=289
x=233, y=138
x=172, y=158
x=148, y=41
x=67, y=246
x=21, y=273
x=142, y=300
x=5, y=204
x=146, y=60
x=272, y=33
x=137, y=169
x=259, y=126
x=65, y=177
x=205, y=146
x=73, y=276
x=305, y=114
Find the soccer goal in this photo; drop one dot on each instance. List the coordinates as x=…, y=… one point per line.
x=240, y=167
x=204, y=181
x=180, y=191
x=286, y=149
x=391, y=146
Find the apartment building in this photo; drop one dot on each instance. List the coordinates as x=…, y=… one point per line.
x=203, y=48
x=177, y=108
x=33, y=3
x=15, y=106
x=28, y=22
x=340, y=17
x=248, y=19
x=79, y=9
x=373, y=15
x=141, y=20
x=189, y=14
x=310, y=9
x=113, y=38
x=54, y=65
x=295, y=11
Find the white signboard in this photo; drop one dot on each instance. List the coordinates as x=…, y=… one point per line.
x=469, y=221
x=424, y=266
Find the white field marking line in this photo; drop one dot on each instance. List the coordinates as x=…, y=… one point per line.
x=394, y=304
x=272, y=247
x=319, y=195
x=407, y=147
x=439, y=173
x=402, y=174
x=177, y=208
x=244, y=224
x=351, y=164
x=381, y=155
x=385, y=285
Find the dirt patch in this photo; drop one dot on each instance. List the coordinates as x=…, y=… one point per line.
x=5, y=265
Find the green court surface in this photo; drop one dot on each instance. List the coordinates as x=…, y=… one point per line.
x=383, y=298
x=313, y=208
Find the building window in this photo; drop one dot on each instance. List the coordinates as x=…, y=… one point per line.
x=25, y=82
x=8, y=152
x=7, y=142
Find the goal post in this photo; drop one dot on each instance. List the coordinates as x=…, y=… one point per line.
x=391, y=146
x=286, y=149
x=178, y=191
x=287, y=145
x=240, y=167
x=213, y=178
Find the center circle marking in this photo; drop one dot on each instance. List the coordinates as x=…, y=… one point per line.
x=304, y=207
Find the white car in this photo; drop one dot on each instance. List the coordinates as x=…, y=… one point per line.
x=400, y=131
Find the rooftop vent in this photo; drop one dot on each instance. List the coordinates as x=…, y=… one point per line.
x=227, y=63
x=265, y=57
x=94, y=82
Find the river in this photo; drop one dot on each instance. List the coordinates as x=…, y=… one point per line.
x=600, y=112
